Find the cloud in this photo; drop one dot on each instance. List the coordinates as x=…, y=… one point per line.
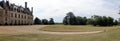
x=58, y=8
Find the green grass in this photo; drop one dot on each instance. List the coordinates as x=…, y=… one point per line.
x=111, y=34
x=62, y=28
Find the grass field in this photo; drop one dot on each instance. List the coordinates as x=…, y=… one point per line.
x=68, y=28
x=111, y=34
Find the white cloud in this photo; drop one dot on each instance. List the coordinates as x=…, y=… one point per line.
x=58, y=8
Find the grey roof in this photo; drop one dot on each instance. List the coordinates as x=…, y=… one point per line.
x=13, y=7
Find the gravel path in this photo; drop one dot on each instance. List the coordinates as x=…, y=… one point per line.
x=66, y=33
x=34, y=29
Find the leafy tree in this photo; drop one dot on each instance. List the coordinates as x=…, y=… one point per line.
x=51, y=21
x=110, y=21
x=102, y=20
x=44, y=21
x=65, y=20
x=90, y=21
x=70, y=19
x=116, y=22
x=37, y=21
x=96, y=20
x=81, y=20
x=84, y=20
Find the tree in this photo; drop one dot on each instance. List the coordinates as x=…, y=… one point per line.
x=70, y=19
x=90, y=21
x=115, y=22
x=37, y=21
x=102, y=20
x=65, y=20
x=51, y=21
x=44, y=21
x=84, y=20
x=81, y=20
x=110, y=21
x=96, y=20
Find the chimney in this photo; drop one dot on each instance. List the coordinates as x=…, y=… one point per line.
x=4, y=6
x=7, y=2
x=25, y=4
x=32, y=9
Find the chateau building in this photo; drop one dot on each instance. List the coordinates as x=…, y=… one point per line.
x=11, y=14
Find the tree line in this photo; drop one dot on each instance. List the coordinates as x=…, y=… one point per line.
x=95, y=20
x=44, y=21
x=71, y=19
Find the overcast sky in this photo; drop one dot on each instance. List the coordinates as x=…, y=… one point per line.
x=57, y=9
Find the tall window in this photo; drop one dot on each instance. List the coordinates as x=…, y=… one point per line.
x=22, y=16
x=11, y=14
x=25, y=17
x=15, y=15
x=19, y=15
x=6, y=19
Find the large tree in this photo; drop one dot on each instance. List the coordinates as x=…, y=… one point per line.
x=37, y=21
x=102, y=21
x=70, y=19
x=81, y=20
x=116, y=22
x=65, y=20
x=51, y=21
x=44, y=21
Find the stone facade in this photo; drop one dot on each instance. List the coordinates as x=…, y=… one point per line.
x=11, y=14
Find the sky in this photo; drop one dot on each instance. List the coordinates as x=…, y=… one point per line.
x=57, y=9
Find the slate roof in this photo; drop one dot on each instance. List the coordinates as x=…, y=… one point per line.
x=13, y=7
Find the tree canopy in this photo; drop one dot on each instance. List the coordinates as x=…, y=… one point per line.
x=37, y=21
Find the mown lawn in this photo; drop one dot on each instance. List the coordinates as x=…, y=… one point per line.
x=68, y=28
x=111, y=34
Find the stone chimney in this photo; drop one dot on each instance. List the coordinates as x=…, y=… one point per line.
x=4, y=5
x=7, y=2
x=25, y=4
x=31, y=9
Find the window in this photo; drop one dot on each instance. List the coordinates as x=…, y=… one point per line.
x=6, y=12
x=1, y=12
x=6, y=19
x=19, y=16
x=25, y=17
x=15, y=15
x=11, y=14
x=22, y=16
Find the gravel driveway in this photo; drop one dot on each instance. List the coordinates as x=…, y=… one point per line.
x=34, y=29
